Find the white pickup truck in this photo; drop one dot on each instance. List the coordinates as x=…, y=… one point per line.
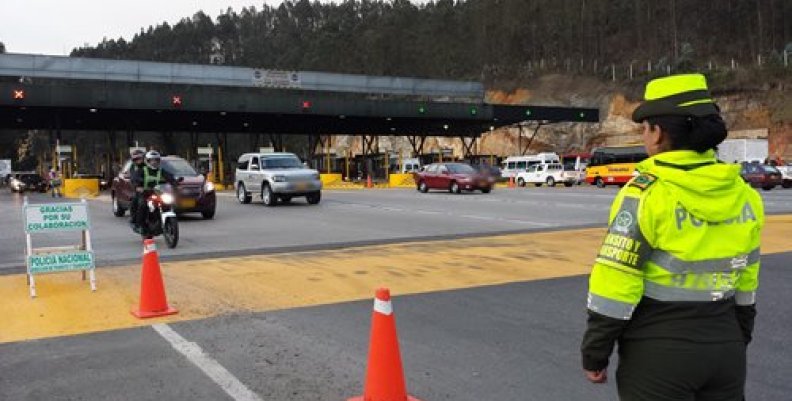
x=786, y=175
x=547, y=173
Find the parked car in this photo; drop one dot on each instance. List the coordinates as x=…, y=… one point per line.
x=761, y=175
x=453, y=177
x=21, y=182
x=193, y=193
x=276, y=177
x=550, y=174
x=103, y=182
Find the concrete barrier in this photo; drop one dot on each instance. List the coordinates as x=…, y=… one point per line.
x=81, y=187
x=401, y=181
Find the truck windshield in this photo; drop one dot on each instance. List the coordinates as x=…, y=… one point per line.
x=281, y=162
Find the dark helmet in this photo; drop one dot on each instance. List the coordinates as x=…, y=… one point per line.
x=137, y=154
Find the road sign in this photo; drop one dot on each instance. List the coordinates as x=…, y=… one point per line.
x=56, y=217
x=60, y=262
x=64, y=149
x=205, y=151
x=277, y=79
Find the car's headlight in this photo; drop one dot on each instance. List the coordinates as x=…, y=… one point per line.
x=279, y=178
x=209, y=186
x=167, y=199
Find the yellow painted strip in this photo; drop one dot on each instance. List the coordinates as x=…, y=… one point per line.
x=212, y=287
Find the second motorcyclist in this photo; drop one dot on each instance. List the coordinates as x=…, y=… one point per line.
x=145, y=179
x=137, y=156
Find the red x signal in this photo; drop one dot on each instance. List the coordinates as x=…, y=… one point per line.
x=19, y=94
x=176, y=100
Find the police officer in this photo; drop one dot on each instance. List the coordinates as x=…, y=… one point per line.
x=137, y=164
x=145, y=179
x=674, y=282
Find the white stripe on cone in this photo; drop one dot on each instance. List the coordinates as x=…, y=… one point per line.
x=383, y=307
x=148, y=248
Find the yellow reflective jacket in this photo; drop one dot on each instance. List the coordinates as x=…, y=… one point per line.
x=681, y=253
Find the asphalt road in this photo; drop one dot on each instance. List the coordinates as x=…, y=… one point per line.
x=343, y=218
x=510, y=342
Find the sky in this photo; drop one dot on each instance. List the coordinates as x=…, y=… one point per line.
x=55, y=27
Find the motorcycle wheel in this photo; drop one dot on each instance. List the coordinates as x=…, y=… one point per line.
x=170, y=231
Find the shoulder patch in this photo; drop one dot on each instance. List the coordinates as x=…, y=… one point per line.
x=643, y=181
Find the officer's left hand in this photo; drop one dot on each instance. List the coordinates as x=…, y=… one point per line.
x=597, y=376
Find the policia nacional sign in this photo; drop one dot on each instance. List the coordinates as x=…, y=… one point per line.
x=58, y=218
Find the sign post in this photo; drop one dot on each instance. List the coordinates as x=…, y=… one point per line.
x=58, y=217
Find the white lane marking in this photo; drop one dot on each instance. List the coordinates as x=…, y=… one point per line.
x=230, y=384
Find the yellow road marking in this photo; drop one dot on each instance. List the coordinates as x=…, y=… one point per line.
x=211, y=287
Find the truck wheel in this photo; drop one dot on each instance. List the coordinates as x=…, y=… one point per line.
x=314, y=197
x=551, y=181
x=599, y=182
x=520, y=182
x=267, y=196
x=242, y=196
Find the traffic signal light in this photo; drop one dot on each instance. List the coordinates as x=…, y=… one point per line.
x=528, y=112
x=422, y=109
x=306, y=105
x=177, y=101
x=473, y=111
x=18, y=94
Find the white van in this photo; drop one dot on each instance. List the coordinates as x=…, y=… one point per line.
x=410, y=166
x=516, y=164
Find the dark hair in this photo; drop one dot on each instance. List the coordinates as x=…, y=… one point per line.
x=692, y=133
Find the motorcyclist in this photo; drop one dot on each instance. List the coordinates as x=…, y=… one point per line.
x=137, y=156
x=145, y=179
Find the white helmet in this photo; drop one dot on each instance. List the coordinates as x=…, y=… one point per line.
x=153, y=159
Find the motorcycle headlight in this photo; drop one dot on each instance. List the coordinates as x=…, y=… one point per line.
x=279, y=178
x=167, y=199
x=209, y=186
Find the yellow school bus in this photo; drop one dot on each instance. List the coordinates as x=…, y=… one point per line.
x=613, y=165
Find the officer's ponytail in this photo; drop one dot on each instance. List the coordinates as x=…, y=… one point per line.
x=692, y=133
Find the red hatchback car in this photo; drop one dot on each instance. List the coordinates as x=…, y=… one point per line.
x=453, y=177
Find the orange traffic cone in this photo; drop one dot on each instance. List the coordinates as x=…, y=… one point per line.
x=384, y=374
x=152, y=290
x=368, y=182
x=511, y=182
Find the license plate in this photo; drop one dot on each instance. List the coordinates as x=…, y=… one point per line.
x=301, y=186
x=187, y=203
